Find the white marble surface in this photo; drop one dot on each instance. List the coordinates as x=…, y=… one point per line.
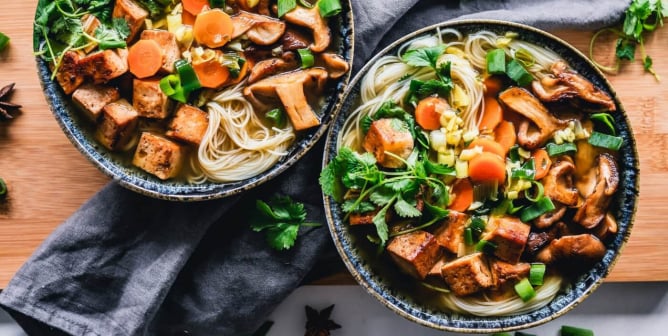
x=614, y=309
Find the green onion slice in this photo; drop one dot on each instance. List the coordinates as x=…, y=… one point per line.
x=104, y=45
x=526, y=172
x=514, y=153
x=518, y=73
x=496, y=61
x=3, y=189
x=468, y=236
x=575, y=331
x=540, y=190
x=306, y=3
x=477, y=227
x=285, y=6
x=519, y=333
x=536, y=274
x=554, y=149
x=4, y=41
x=277, y=117
x=217, y=3
x=606, y=119
x=524, y=290
x=329, y=8
x=485, y=246
x=307, y=57
x=543, y=205
x=189, y=80
x=606, y=141
x=171, y=86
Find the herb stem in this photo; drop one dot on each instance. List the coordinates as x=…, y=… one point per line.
x=419, y=227
x=312, y=224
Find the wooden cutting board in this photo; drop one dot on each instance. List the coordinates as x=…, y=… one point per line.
x=49, y=179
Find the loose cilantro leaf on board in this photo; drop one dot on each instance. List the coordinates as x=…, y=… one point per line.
x=625, y=49
x=281, y=218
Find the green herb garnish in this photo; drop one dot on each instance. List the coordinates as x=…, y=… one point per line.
x=281, y=218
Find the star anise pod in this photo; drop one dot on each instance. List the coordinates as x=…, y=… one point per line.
x=5, y=104
x=318, y=323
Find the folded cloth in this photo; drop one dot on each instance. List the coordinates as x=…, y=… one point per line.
x=125, y=264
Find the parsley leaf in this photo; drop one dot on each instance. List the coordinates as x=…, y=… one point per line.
x=423, y=57
x=281, y=218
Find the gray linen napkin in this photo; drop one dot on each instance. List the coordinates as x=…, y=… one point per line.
x=125, y=264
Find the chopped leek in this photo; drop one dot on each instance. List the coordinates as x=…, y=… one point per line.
x=606, y=141
x=519, y=333
x=329, y=7
x=539, y=192
x=518, y=73
x=477, y=227
x=4, y=41
x=524, y=290
x=217, y=3
x=277, y=117
x=554, y=149
x=285, y=6
x=307, y=57
x=536, y=274
x=575, y=331
x=543, y=205
x=496, y=61
x=468, y=236
x=514, y=153
x=485, y=246
x=606, y=119
x=526, y=172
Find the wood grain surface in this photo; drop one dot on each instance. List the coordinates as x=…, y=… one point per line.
x=49, y=179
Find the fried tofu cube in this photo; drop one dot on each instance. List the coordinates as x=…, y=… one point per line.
x=415, y=253
x=119, y=121
x=149, y=100
x=451, y=232
x=104, y=66
x=70, y=74
x=509, y=235
x=189, y=124
x=389, y=135
x=505, y=273
x=167, y=42
x=91, y=99
x=363, y=218
x=134, y=14
x=436, y=269
x=467, y=275
x=158, y=156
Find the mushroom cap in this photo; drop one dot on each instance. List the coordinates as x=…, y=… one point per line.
x=595, y=206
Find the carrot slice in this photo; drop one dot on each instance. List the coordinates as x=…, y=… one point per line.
x=145, y=58
x=489, y=146
x=463, y=192
x=194, y=7
x=505, y=135
x=213, y=28
x=493, y=85
x=188, y=18
x=542, y=163
x=428, y=112
x=492, y=115
x=487, y=167
x=211, y=73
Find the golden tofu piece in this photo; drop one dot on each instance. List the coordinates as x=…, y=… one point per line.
x=451, y=232
x=509, y=235
x=189, y=124
x=149, y=100
x=389, y=135
x=167, y=42
x=158, y=156
x=119, y=121
x=70, y=73
x=104, y=66
x=91, y=99
x=415, y=253
x=505, y=273
x=467, y=275
x=134, y=14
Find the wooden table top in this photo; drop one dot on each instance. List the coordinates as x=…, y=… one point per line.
x=49, y=179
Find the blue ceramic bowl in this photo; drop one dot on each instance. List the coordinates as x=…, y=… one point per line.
x=379, y=276
x=81, y=134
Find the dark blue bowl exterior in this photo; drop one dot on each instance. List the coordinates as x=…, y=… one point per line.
x=385, y=284
x=75, y=128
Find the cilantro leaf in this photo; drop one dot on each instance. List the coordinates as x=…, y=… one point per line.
x=381, y=225
x=423, y=57
x=405, y=209
x=382, y=196
x=361, y=207
x=281, y=218
x=647, y=63
x=625, y=49
x=430, y=87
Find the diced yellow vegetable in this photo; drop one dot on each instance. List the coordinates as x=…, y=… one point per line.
x=447, y=158
x=470, y=135
x=459, y=98
x=468, y=154
x=453, y=138
x=462, y=169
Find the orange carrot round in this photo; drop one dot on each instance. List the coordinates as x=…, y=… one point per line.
x=194, y=7
x=428, y=112
x=211, y=73
x=489, y=146
x=505, y=135
x=213, y=28
x=463, y=193
x=493, y=85
x=542, y=163
x=188, y=18
x=144, y=58
x=487, y=167
x=491, y=116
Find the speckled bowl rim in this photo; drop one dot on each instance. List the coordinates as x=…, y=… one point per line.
x=453, y=322
x=144, y=183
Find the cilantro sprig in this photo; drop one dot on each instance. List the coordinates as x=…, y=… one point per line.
x=390, y=109
x=374, y=189
x=428, y=57
x=281, y=217
x=640, y=17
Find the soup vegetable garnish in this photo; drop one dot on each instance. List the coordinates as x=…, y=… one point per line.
x=199, y=90
x=486, y=166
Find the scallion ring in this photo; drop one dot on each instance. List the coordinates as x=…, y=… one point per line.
x=329, y=7
x=540, y=190
x=536, y=274
x=524, y=290
x=308, y=60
